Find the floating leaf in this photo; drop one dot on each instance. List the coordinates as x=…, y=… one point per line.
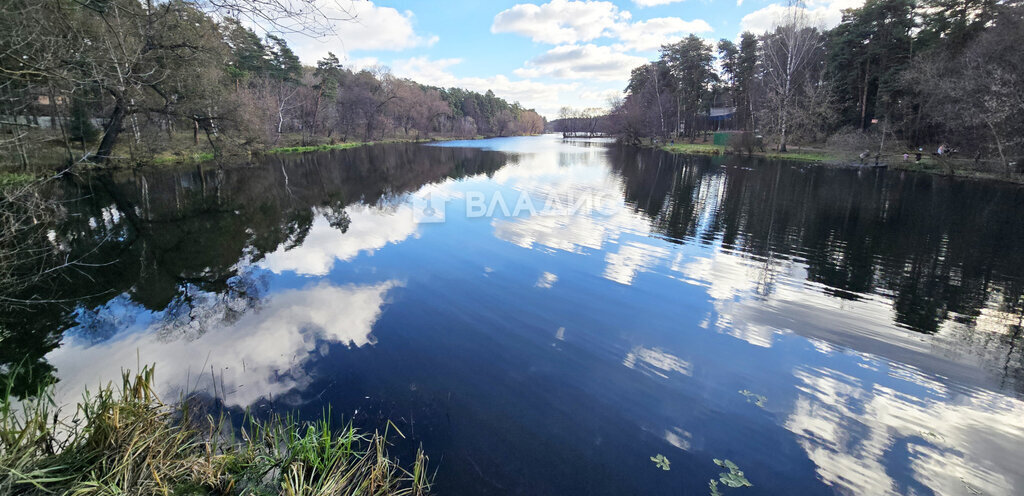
x=733, y=478
x=660, y=461
x=714, y=488
x=754, y=398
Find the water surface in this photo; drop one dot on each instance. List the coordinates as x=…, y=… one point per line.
x=828, y=330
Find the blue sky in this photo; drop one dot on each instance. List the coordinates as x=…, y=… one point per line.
x=544, y=54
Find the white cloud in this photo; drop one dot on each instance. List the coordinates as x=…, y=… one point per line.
x=360, y=63
x=373, y=28
x=653, y=33
x=563, y=22
x=581, y=62
x=652, y=3
x=560, y=21
x=822, y=13
x=601, y=97
x=544, y=97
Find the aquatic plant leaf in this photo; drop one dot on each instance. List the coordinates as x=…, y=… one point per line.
x=714, y=488
x=757, y=399
x=661, y=461
x=733, y=478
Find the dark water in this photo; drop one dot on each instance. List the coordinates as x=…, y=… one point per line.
x=828, y=330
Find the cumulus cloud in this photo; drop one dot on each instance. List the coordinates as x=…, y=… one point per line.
x=373, y=28
x=821, y=13
x=581, y=62
x=560, y=21
x=563, y=22
x=652, y=3
x=600, y=96
x=544, y=97
x=653, y=33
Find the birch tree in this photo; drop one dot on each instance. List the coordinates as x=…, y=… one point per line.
x=786, y=54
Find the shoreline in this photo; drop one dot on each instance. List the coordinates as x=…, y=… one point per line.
x=824, y=157
x=189, y=155
x=810, y=155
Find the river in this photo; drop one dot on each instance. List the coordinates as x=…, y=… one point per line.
x=547, y=316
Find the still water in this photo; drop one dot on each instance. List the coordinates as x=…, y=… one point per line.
x=827, y=330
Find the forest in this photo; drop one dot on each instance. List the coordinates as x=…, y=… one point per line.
x=140, y=81
x=893, y=77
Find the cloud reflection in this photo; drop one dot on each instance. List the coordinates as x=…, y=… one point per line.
x=371, y=228
x=561, y=177
x=260, y=354
x=955, y=443
x=657, y=362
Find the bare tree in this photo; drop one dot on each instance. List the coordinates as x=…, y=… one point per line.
x=787, y=53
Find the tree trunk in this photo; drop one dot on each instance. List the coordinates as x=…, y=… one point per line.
x=999, y=147
x=316, y=110
x=864, y=98
x=111, y=132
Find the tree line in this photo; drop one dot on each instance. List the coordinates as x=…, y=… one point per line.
x=101, y=80
x=918, y=73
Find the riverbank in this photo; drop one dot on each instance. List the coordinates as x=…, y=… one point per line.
x=950, y=167
x=182, y=148
x=808, y=155
x=179, y=157
x=125, y=441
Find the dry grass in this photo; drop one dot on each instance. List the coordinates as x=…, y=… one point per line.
x=123, y=440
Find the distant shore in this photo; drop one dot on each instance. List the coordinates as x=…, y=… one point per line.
x=953, y=167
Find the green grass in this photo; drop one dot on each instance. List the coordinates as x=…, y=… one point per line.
x=805, y=156
x=172, y=158
x=355, y=144
x=125, y=441
x=15, y=180
x=321, y=148
x=711, y=149
x=699, y=148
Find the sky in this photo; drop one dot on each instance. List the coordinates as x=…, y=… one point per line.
x=544, y=55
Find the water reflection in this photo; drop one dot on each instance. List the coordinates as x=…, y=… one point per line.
x=324, y=244
x=239, y=359
x=828, y=330
x=172, y=242
x=906, y=434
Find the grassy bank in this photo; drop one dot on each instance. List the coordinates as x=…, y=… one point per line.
x=710, y=149
x=951, y=167
x=49, y=155
x=196, y=157
x=125, y=441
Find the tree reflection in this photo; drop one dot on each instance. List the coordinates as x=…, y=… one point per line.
x=181, y=243
x=942, y=251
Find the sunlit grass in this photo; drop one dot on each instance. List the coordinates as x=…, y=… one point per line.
x=123, y=440
x=183, y=157
x=15, y=179
x=711, y=149
x=320, y=148
x=702, y=148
